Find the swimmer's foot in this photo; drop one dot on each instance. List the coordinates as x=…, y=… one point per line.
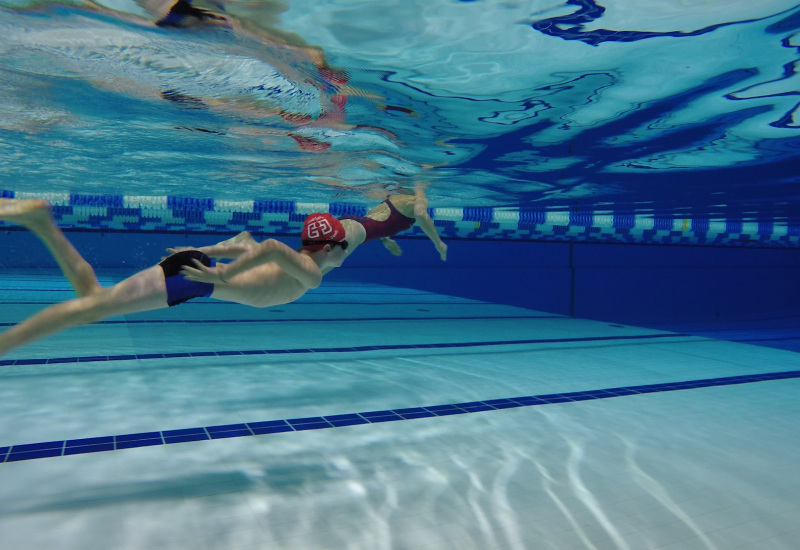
x=441, y=248
x=31, y=213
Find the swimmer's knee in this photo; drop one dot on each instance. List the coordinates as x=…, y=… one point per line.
x=80, y=311
x=87, y=281
x=93, y=308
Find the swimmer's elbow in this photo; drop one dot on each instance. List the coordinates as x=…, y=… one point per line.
x=269, y=247
x=311, y=279
x=314, y=282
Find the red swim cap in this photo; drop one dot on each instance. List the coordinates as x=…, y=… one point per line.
x=321, y=227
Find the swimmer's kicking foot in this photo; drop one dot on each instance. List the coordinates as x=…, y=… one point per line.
x=35, y=215
x=441, y=248
x=31, y=213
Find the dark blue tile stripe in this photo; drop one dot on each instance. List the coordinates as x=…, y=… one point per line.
x=330, y=289
x=210, y=302
x=317, y=320
x=356, y=349
x=15, y=453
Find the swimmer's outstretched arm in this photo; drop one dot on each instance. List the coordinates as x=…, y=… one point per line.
x=214, y=250
x=229, y=249
x=300, y=266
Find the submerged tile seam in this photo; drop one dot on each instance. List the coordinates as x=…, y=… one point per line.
x=355, y=349
x=32, y=451
x=201, y=302
x=330, y=291
x=326, y=320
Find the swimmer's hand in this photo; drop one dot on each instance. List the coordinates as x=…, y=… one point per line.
x=180, y=249
x=175, y=250
x=392, y=246
x=205, y=274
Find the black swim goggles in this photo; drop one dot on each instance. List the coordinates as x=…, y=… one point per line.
x=343, y=244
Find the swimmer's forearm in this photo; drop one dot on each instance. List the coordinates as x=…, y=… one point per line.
x=292, y=262
x=223, y=250
x=228, y=250
x=265, y=252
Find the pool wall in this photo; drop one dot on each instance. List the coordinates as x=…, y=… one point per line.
x=613, y=282
x=608, y=265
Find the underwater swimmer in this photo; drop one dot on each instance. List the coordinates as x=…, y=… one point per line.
x=261, y=274
x=394, y=215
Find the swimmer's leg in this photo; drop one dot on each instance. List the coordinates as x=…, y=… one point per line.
x=35, y=215
x=143, y=291
x=426, y=223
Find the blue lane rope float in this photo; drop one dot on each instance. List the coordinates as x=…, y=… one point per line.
x=163, y=214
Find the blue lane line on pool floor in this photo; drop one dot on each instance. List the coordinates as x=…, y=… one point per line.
x=329, y=289
x=201, y=302
x=319, y=320
x=356, y=349
x=16, y=453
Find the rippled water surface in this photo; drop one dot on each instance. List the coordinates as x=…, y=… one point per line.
x=689, y=105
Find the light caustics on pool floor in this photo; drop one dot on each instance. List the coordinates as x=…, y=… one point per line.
x=48, y=449
x=361, y=300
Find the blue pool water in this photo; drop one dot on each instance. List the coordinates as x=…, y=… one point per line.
x=688, y=108
x=608, y=359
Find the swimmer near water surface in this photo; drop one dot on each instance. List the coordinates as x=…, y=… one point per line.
x=260, y=274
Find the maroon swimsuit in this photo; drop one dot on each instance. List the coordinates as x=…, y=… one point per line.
x=394, y=224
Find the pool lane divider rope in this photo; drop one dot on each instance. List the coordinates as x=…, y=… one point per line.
x=16, y=453
x=355, y=349
x=171, y=214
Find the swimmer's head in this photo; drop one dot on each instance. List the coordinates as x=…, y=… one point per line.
x=320, y=230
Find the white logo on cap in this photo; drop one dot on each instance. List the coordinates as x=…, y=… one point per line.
x=318, y=228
